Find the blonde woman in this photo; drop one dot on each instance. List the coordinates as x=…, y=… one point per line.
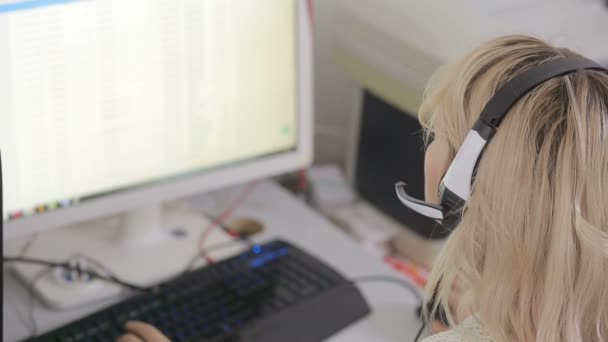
x=530, y=252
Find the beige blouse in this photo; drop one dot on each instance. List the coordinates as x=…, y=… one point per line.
x=468, y=331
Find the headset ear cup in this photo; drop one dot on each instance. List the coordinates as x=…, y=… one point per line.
x=476, y=167
x=451, y=221
x=463, y=168
x=453, y=207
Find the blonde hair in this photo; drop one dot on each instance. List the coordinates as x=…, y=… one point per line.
x=531, y=250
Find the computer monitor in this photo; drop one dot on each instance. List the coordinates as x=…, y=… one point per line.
x=112, y=107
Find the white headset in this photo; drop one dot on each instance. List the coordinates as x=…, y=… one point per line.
x=455, y=187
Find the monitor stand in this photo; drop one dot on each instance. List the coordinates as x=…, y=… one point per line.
x=144, y=247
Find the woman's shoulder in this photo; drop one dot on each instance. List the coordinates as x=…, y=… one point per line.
x=469, y=330
x=446, y=336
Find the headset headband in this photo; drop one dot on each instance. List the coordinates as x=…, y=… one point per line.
x=455, y=187
x=508, y=95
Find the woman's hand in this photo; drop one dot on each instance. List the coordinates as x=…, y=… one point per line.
x=142, y=332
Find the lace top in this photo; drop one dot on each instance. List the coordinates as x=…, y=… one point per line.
x=468, y=331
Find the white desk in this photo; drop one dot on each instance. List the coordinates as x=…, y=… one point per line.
x=393, y=317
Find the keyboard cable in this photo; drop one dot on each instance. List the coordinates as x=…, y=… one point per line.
x=397, y=281
x=109, y=277
x=114, y=279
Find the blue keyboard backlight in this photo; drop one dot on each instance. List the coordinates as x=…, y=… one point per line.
x=267, y=257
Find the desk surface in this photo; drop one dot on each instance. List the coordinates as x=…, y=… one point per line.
x=393, y=317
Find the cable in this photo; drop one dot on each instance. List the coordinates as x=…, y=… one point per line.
x=388, y=279
x=302, y=180
x=10, y=300
x=232, y=233
x=217, y=246
x=109, y=278
x=29, y=321
x=220, y=220
x=37, y=277
x=238, y=239
x=420, y=331
x=311, y=16
x=27, y=245
x=394, y=280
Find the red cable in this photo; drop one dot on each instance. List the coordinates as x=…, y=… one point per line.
x=311, y=10
x=303, y=181
x=311, y=16
x=219, y=220
x=302, y=175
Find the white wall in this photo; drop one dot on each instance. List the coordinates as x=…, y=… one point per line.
x=333, y=92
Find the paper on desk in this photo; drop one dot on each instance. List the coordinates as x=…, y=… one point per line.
x=330, y=189
x=363, y=230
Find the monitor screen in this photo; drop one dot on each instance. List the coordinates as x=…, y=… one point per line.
x=103, y=96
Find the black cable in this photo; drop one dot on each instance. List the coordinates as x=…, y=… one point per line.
x=27, y=245
x=388, y=279
x=420, y=331
x=31, y=321
x=109, y=278
x=394, y=280
x=30, y=289
x=113, y=279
